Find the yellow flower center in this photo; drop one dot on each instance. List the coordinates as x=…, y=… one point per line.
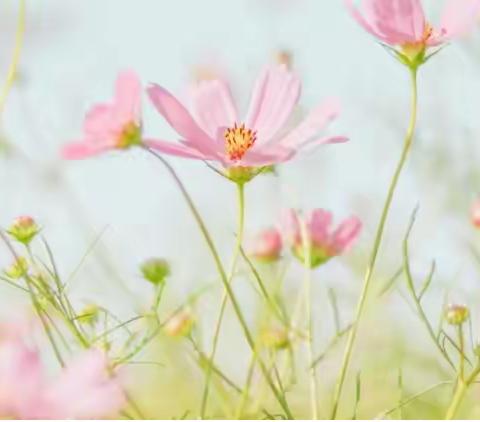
x=131, y=135
x=414, y=48
x=238, y=140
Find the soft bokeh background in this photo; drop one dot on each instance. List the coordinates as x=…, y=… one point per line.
x=123, y=208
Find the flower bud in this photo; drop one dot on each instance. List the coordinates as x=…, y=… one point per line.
x=155, y=270
x=266, y=246
x=23, y=229
x=89, y=314
x=456, y=314
x=180, y=324
x=18, y=269
x=475, y=213
x=275, y=338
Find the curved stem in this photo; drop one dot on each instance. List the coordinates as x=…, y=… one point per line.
x=231, y=295
x=218, y=325
x=12, y=70
x=376, y=245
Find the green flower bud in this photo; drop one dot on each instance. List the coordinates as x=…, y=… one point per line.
x=456, y=314
x=89, y=314
x=18, y=269
x=23, y=229
x=275, y=338
x=155, y=270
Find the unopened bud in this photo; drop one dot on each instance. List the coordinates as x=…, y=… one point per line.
x=179, y=324
x=456, y=314
x=89, y=314
x=155, y=270
x=266, y=246
x=18, y=269
x=23, y=229
x=275, y=338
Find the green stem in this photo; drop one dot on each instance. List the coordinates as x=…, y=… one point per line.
x=241, y=319
x=462, y=383
x=307, y=253
x=218, y=325
x=376, y=245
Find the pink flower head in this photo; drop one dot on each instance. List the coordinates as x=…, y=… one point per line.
x=403, y=22
x=475, y=213
x=315, y=231
x=211, y=129
x=115, y=125
x=267, y=245
x=83, y=390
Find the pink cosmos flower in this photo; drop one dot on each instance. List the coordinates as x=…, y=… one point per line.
x=109, y=126
x=83, y=390
x=325, y=242
x=403, y=22
x=267, y=245
x=212, y=131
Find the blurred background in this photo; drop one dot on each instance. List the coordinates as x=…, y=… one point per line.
x=106, y=215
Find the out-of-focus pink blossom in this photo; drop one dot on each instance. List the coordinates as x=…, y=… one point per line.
x=211, y=130
x=115, y=125
x=403, y=22
x=475, y=213
x=83, y=390
x=315, y=231
x=266, y=246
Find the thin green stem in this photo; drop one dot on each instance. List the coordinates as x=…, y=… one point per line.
x=231, y=295
x=307, y=253
x=218, y=325
x=376, y=245
x=12, y=70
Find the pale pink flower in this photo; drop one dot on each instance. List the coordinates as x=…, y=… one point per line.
x=266, y=246
x=109, y=126
x=475, y=213
x=83, y=390
x=315, y=230
x=403, y=22
x=212, y=131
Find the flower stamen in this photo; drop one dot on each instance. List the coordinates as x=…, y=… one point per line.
x=238, y=140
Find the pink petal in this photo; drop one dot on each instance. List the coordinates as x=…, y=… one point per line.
x=84, y=390
x=459, y=17
x=213, y=105
x=259, y=157
x=128, y=94
x=346, y=234
x=177, y=149
x=315, y=122
x=318, y=226
x=180, y=119
x=392, y=21
x=85, y=149
x=275, y=94
x=100, y=122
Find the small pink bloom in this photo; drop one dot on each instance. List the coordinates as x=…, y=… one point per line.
x=403, y=22
x=475, y=214
x=211, y=129
x=115, y=125
x=325, y=242
x=267, y=245
x=84, y=390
